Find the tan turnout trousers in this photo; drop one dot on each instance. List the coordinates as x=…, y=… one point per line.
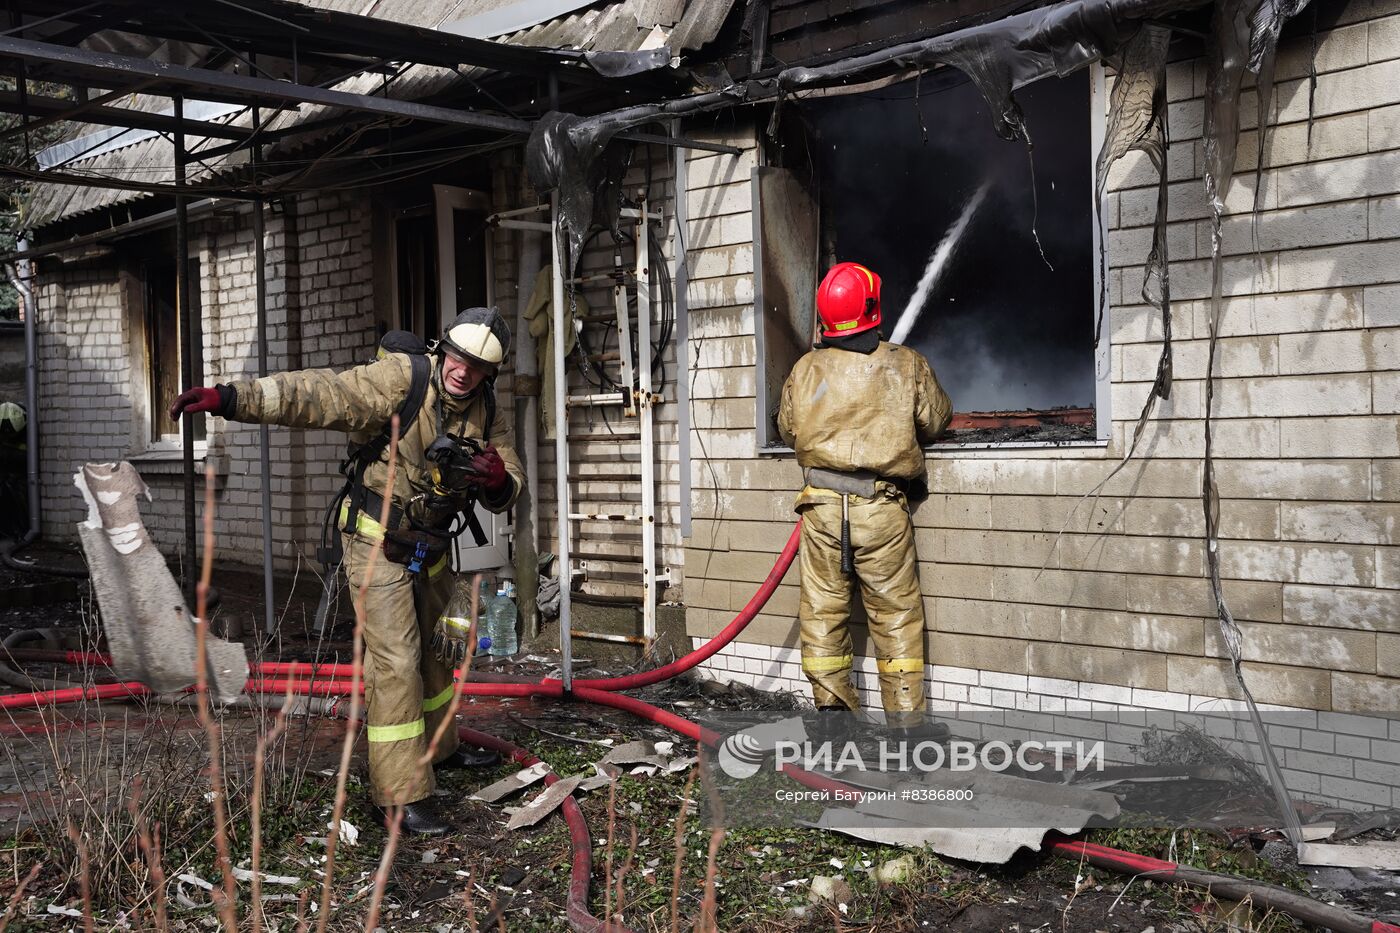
x=407, y=689
x=882, y=542
x=852, y=413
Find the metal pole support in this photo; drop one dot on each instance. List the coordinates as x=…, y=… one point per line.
x=561, y=451
x=188, y=348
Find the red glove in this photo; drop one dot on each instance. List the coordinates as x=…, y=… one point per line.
x=219, y=400
x=491, y=468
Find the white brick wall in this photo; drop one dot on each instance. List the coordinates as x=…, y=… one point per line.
x=321, y=313
x=85, y=403
x=1335, y=759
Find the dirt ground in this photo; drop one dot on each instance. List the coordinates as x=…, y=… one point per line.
x=111, y=770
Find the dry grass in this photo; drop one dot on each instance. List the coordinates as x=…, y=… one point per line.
x=679, y=865
x=279, y=727
x=141, y=805
x=225, y=899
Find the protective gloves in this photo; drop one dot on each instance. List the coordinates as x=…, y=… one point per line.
x=220, y=400
x=491, y=470
x=452, y=640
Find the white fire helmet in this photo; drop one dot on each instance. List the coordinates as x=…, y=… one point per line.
x=12, y=418
x=479, y=336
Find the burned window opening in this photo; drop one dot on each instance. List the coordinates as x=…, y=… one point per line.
x=164, y=346
x=948, y=225
x=1066, y=425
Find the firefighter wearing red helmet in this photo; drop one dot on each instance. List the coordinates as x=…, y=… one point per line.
x=858, y=411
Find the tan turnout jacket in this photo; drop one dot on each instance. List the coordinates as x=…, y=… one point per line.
x=850, y=411
x=847, y=411
x=361, y=401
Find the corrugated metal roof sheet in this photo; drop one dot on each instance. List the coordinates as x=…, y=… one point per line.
x=149, y=159
x=487, y=19
x=623, y=25
x=700, y=24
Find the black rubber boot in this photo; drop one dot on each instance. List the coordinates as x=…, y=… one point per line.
x=421, y=819
x=468, y=756
x=834, y=724
x=922, y=730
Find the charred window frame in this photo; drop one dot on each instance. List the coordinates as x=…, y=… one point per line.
x=432, y=255
x=157, y=346
x=797, y=223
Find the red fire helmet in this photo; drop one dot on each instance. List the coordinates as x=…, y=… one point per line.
x=848, y=300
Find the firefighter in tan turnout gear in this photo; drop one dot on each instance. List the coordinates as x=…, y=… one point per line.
x=857, y=410
x=456, y=448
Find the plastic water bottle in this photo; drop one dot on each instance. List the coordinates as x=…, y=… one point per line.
x=500, y=623
x=483, y=606
x=511, y=625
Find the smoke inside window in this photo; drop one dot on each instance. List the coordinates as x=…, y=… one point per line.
x=925, y=193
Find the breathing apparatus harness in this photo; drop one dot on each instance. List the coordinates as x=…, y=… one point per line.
x=421, y=531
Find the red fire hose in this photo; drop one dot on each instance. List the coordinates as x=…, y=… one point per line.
x=601, y=692
x=1230, y=887
x=128, y=690
x=581, y=871
x=679, y=666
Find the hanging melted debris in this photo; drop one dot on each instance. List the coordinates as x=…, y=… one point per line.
x=565, y=151
x=1137, y=119
x=1244, y=36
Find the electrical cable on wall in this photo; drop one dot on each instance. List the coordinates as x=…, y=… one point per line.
x=591, y=366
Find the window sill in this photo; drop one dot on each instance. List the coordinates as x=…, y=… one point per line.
x=1008, y=430
x=949, y=447
x=162, y=459
x=953, y=446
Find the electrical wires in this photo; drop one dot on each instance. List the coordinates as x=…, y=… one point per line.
x=597, y=337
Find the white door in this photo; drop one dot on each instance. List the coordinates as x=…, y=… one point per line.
x=492, y=556
x=464, y=266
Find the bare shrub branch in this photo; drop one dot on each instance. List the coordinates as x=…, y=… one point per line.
x=356, y=676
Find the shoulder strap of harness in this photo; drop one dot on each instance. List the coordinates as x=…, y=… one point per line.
x=490, y=399
x=360, y=458
x=413, y=402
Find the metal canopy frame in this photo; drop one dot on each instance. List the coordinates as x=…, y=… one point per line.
x=100, y=67
x=266, y=56
x=84, y=68
x=295, y=34
x=53, y=110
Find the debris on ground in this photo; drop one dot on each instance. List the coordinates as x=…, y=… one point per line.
x=830, y=890
x=148, y=627
x=544, y=803
x=764, y=875
x=1383, y=856
x=512, y=783
x=895, y=871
